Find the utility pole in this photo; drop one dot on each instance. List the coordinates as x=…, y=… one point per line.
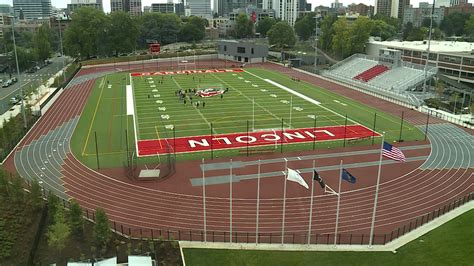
x=61, y=44
x=429, y=43
x=25, y=125
x=316, y=45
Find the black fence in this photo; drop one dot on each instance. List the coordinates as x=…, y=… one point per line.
x=276, y=238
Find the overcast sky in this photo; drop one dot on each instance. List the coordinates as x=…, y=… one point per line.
x=63, y=3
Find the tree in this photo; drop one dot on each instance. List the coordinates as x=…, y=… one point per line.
x=190, y=33
x=75, y=219
x=43, y=42
x=53, y=205
x=418, y=34
x=407, y=30
x=264, y=25
x=469, y=26
x=59, y=231
x=123, y=33
x=327, y=32
x=453, y=24
x=101, y=231
x=281, y=34
x=427, y=21
x=382, y=29
x=306, y=26
x=340, y=40
x=243, y=26
x=86, y=34
x=389, y=20
x=36, y=198
x=359, y=34
x=16, y=189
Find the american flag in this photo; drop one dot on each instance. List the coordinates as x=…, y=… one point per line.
x=392, y=152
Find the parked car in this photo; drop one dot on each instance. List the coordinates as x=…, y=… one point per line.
x=14, y=80
x=13, y=100
x=48, y=61
x=7, y=83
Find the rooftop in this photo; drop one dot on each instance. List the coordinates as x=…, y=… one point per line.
x=435, y=46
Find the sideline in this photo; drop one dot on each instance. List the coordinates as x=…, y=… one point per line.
x=390, y=247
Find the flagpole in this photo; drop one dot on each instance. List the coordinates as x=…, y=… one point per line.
x=284, y=203
x=204, y=200
x=311, y=206
x=376, y=194
x=230, y=200
x=338, y=203
x=291, y=107
x=253, y=113
x=258, y=202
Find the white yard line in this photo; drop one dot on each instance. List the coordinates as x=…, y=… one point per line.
x=301, y=96
x=199, y=112
x=132, y=96
x=265, y=109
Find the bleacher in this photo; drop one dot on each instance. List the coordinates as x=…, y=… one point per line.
x=371, y=73
x=396, y=77
x=354, y=67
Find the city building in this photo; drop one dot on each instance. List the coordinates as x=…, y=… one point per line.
x=361, y=9
x=286, y=10
x=199, y=8
x=461, y=8
x=440, y=3
x=133, y=7
x=76, y=4
x=417, y=15
x=6, y=9
x=5, y=22
x=244, y=52
x=225, y=7
x=179, y=9
x=337, y=5
x=391, y=8
x=453, y=59
x=457, y=2
x=147, y=9
x=222, y=24
x=32, y=9
x=162, y=8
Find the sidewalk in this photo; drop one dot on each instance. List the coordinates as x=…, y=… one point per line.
x=34, y=100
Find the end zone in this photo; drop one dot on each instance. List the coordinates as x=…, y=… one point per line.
x=180, y=72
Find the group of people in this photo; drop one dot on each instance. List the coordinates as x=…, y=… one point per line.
x=295, y=79
x=185, y=95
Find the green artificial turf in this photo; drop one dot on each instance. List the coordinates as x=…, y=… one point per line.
x=450, y=244
x=158, y=111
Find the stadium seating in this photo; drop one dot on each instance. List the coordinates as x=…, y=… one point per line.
x=354, y=67
x=398, y=78
x=371, y=73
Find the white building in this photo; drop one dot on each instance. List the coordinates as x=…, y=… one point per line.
x=286, y=10
x=199, y=8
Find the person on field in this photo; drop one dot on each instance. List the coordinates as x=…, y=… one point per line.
x=203, y=104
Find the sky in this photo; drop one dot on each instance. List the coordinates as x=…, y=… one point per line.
x=63, y=3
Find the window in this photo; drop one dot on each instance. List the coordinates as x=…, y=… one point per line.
x=252, y=50
x=241, y=50
x=225, y=48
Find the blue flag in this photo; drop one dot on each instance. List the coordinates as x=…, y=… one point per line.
x=348, y=177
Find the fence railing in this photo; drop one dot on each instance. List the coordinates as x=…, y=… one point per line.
x=276, y=237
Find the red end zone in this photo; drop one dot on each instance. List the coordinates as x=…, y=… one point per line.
x=202, y=71
x=262, y=138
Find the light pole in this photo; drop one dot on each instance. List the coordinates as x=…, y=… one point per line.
x=25, y=125
x=428, y=49
x=61, y=45
x=316, y=44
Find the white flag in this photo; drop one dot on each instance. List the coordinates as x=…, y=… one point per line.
x=295, y=177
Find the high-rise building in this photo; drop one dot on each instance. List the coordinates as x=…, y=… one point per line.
x=199, y=8
x=457, y=2
x=134, y=7
x=162, y=8
x=361, y=9
x=76, y=4
x=417, y=15
x=32, y=9
x=225, y=7
x=286, y=10
x=391, y=8
x=6, y=9
x=337, y=5
x=440, y=3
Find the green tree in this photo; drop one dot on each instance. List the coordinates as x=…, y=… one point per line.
x=36, y=198
x=101, y=231
x=190, y=33
x=395, y=22
x=327, y=32
x=469, y=26
x=407, y=29
x=75, y=219
x=264, y=25
x=243, y=26
x=382, y=29
x=453, y=24
x=59, y=231
x=123, y=33
x=418, y=34
x=16, y=189
x=427, y=21
x=359, y=34
x=306, y=26
x=281, y=34
x=86, y=34
x=4, y=185
x=53, y=205
x=341, y=38
x=43, y=42
x=160, y=27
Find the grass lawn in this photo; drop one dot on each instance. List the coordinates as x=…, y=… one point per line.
x=250, y=98
x=450, y=244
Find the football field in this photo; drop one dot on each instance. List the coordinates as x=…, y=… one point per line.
x=224, y=110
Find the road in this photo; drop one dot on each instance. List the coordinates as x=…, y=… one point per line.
x=27, y=80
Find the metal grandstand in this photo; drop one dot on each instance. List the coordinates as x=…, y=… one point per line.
x=401, y=80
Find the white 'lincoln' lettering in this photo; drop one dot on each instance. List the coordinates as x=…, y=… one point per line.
x=250, y=139
x=275, y=137
x=193, y=143
x=295, y=134
x=225, y=139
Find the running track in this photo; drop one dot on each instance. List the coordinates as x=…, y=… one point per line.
x=407, y=191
